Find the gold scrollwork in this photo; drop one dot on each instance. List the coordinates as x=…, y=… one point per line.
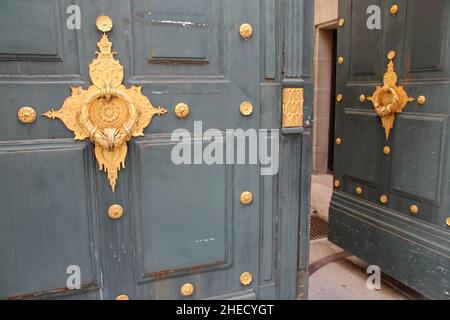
x=390, y=98
x=107, y=113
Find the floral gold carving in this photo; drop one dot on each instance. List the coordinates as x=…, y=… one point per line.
x=389, y=99
x=293, y=107
x=107, y=113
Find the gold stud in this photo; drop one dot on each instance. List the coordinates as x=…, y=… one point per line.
x=394, y=9
x=246, y=278
x=421, y=100
x=359, y=190
x=115, y=212
x=123, y=297
x=339, y=98
x=26, y=115
x=387, y=150
x=337, y=183
x=182, y=110
x=391, y=55
x=246, y=31
x=246, y=108
x=447, y=222
x=414, y=209
x=338, y=141
x=362, y=98
x=341, y=22
x=187, y=290
x=246, y=198
x=384, y=199
x=104, y=23
x=341, y=60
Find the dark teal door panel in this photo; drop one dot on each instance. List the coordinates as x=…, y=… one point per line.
x=182, y=224
x=399, y=218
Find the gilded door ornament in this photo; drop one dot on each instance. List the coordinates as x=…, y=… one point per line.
x=390, y=98
x=26, y=115
x=293, y=107
x=246, y=278
x=246, y=31
x=107, y=113
x=187, y=290
x=182, y=110
x=246, y=108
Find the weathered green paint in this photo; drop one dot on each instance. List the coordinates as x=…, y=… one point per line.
x=413, y=248
x=54, y=201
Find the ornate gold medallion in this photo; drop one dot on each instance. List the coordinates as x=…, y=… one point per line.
x=246, y=31
x=115, y=212
x=107, y=113
x=246, y=198
x=182, y=110
x=104, y=23
x=246, y=278
x=26, y=115
x=187, y=290
x=246, y=108
x=390, y=98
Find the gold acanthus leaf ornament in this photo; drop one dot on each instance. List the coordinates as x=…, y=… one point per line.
x=107, y=113
x=390, y=98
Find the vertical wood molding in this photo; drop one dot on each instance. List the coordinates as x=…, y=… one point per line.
x=293, y=38
x=295, y=154
x=289, y=192
x=270, y=29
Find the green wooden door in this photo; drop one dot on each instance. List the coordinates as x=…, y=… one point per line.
x=183, y=226
x=391, y=203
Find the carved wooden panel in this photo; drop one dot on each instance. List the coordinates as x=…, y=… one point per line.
x=364, y=66
x=186, y=38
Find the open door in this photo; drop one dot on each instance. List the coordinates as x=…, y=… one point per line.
x=145, y=226
x=391, y=203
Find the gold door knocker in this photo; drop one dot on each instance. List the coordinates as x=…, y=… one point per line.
x=390, y=98
x=107, y=112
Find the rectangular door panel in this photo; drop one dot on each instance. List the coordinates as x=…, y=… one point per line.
x=178, y=38
x=426, y=40
x=417, y=161
x=47, y=218
x=361, y=146
x=362, y=39
x=193, y=196
x=51, y=49
x=392, y=170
